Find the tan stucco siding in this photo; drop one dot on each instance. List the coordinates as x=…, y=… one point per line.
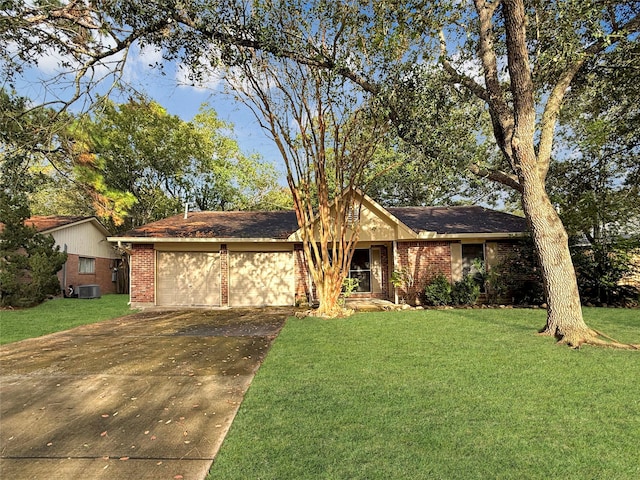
x=374, y=224
x=456, y=262
x=374, y=228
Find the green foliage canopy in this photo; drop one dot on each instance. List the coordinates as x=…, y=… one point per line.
x=28, y=261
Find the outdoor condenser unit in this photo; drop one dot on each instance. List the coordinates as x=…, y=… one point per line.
x=89, y=291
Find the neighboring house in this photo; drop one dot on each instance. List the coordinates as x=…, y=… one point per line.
x=256, y=258
x=91, y=259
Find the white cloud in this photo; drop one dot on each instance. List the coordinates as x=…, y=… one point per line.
x=209, y=80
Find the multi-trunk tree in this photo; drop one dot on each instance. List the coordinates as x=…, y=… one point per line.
x=326, y=139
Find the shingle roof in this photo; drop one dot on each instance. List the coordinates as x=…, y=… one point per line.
x=43, y=223
x=457, y=220
x=281, y=224
x=276, y=225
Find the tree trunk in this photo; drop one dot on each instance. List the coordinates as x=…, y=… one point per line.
x=564, y=313
x=328, y=293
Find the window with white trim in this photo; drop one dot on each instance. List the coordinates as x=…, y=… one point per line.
x=86, y=265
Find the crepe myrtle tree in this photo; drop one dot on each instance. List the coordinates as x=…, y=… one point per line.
x=326, y=138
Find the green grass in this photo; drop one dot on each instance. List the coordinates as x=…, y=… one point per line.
x=59, y=314
x=455, y=394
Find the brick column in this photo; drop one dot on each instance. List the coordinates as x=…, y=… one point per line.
x=224, y=275
x=143, y=275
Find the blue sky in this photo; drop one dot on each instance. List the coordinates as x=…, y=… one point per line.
x=170, y=90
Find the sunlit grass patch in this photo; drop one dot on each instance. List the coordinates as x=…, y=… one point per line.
x=439, y=394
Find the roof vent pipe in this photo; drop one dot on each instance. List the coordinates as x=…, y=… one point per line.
x=186, y=210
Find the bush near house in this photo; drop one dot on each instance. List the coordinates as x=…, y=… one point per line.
x=601, y=270
x=29, y=264
x=465, y=291
x=439, y=292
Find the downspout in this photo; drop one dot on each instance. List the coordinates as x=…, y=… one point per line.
x=64, y=271
x=121, y=248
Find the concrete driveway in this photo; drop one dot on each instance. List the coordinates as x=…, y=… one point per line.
x=147, y=396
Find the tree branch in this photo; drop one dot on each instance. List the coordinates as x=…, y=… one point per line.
x=496, y=176
x=473, y=86
x=501, y=114
x=554, y=103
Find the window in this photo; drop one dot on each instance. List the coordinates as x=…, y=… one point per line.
x=471, y=254
x=361, y=269
x=87, y=265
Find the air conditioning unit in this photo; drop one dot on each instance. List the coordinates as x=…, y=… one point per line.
x=89, y=291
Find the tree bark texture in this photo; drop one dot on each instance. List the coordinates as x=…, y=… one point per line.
x=564, y=314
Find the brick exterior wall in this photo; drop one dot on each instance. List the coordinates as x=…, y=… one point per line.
x=384, y=264
x=505, y=249
x=102, y=276
x=424, y=260
x=143, y=274
x=224, y=275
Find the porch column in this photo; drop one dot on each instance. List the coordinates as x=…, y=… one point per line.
x=394, y=262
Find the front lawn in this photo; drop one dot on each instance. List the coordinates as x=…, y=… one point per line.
x=454, y=394
x=59, y=314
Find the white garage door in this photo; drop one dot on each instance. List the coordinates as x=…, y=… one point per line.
x=188, y=278
x=261, y=278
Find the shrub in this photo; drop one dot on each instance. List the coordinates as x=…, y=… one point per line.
x=438, y=291
x=349, y=286
x=517, y=278
x=600, y=269
x=465, y=291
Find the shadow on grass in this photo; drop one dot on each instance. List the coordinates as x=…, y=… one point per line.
x=520, y=319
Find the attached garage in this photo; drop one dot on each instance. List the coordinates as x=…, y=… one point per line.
x=261, y=278
x=188, y=278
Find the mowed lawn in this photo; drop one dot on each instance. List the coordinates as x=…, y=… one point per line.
x=59, y=314
x=454, y=394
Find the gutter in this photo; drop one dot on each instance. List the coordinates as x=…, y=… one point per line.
x=120, y=240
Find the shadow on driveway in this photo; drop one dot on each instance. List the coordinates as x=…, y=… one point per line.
x=150, y=395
